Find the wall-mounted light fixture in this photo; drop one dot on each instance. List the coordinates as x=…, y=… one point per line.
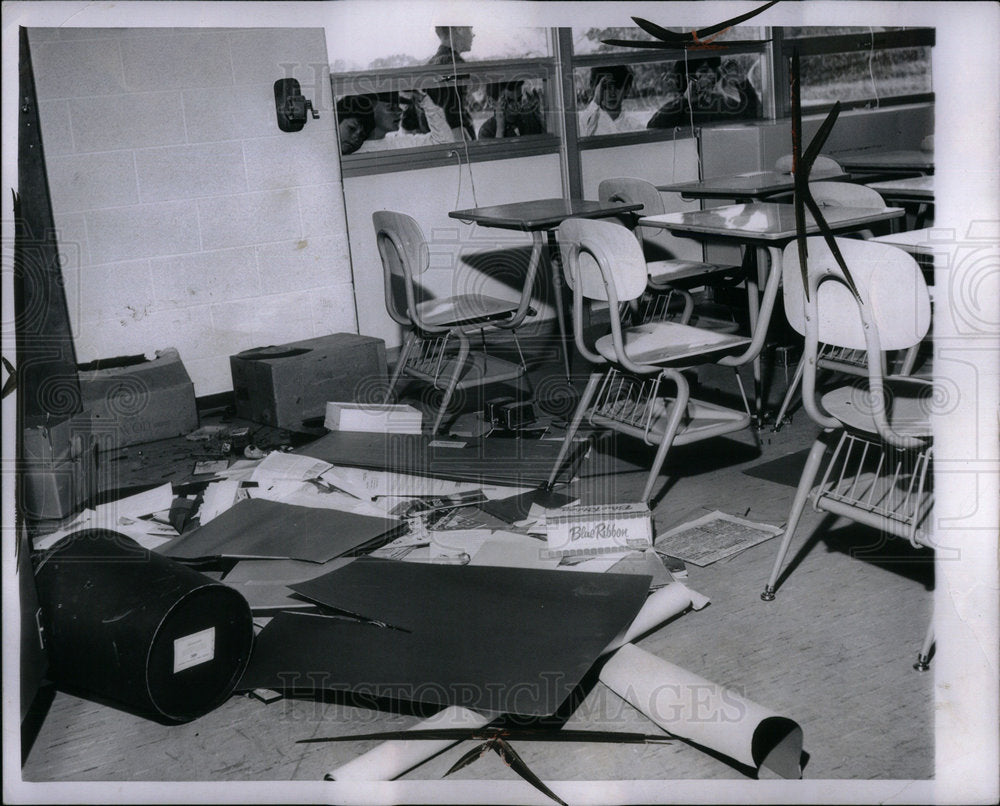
x=290, y=105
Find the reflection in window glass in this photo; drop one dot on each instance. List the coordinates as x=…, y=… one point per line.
x=398, y=44
x=588, y=40
x=611, y=99
x=486, y=107
x=859, y=76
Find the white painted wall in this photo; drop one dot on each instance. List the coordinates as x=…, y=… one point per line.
x=661, y=163
x=429, y=195
x=185, y=217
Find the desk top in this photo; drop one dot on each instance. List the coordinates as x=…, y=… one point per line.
x=896, y=160
x=920, y=188
x=540, y=214
x=754, y=185
x=920, y=241
x=766, y=222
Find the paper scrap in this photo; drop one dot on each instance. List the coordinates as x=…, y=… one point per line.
x=217, y=498
x=210, y=466
x=281, y=466
x=714, y=537
x=371, y=485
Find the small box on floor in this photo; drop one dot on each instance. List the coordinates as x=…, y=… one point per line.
x=288, y=385
x=599, y=529
x=140, y=400
x=60, y=466
x=509, y=413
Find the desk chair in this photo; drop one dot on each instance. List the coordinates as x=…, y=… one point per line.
x=432, y=323
x=604, y=263
x=852, y=362
x=878, y=473
x=666, y=276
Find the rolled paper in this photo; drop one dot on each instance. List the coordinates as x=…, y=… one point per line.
x=394, y=757
x=667, y=602
x=710, y=715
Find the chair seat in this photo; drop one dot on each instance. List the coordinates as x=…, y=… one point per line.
x=479, y=369
x=702, y=420
x=668, y=342
x=909, y=404
x=667, y=272
x=464, y=308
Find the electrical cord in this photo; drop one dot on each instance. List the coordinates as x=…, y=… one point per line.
x=462, y=122
x=871, y=60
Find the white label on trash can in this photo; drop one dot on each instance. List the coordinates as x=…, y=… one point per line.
x=198, y=647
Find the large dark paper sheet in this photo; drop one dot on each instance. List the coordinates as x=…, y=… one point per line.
x=271, y=529
x=515, y=462
x=510, y=640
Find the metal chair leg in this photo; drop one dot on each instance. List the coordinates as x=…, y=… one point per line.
x=404, y=356
x=924, y=656
x=798, y=505
x=463, y=356
x=792, y=388
x=574, y=426
x=688, y=305
x=677, y=411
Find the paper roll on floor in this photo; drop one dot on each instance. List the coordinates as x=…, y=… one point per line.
x=661, y=605
x=704, y=712
x=394, y=757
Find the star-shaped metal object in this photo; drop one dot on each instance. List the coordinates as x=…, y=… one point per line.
x=701, y=39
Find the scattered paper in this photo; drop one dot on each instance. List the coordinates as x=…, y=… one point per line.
x=319, y=495
x=210, y=466
x=370, y=485
x=714, y=537
x=144, y=517
x=281, y=466
x=217, y=498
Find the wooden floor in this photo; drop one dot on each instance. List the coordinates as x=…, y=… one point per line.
x=834, y=652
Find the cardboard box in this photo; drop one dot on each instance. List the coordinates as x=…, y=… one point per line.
x=140, y=400
x=60, y=467
x=599, y=529
x=288, y=385
x=377, y=418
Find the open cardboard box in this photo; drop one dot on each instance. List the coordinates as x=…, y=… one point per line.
x=140, y=400
x=288, y=386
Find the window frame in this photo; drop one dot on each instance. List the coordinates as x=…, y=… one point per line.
x=440, y=154
x=558, y=70
x=860, y=42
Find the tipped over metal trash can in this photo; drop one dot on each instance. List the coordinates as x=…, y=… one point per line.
x=135, y=628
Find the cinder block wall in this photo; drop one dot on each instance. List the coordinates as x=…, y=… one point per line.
x=185, y=217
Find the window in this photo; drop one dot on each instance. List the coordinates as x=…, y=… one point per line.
x=859, y=66
x=670, y=90
x=487, y=91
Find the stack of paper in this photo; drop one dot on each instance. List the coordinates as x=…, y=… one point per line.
x=377, y=418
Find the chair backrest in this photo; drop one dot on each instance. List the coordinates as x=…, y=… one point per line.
x=632, y=191
x=601, y=260
x=846, y=194
x=822, y=164
x=638, y=191
x=405, y=255
x=892, y=309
